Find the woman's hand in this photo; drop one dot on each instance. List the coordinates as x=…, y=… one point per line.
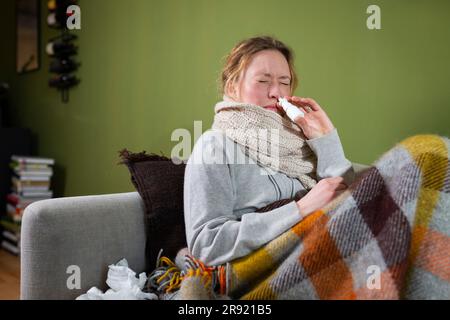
x=316, y=122
x=322, y=193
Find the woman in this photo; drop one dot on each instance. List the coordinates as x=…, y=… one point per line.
x=238, y=175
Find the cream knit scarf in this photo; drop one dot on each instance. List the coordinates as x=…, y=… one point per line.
x=268, y=138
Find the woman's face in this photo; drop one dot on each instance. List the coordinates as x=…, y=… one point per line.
x=266, y=78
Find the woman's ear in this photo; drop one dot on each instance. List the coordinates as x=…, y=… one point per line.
x=234, y=91
x=230, y=92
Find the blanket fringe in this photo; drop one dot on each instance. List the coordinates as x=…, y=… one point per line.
x=167, y=277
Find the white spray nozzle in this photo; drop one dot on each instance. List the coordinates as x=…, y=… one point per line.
x=292, y=111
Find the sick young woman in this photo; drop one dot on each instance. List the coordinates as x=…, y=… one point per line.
x=255, y=155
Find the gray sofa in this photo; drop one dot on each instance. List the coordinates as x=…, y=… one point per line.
x=88, y=232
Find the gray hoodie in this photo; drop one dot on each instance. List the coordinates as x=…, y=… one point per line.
x=223, y=188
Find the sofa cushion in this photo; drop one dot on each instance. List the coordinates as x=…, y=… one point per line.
x=159, y=181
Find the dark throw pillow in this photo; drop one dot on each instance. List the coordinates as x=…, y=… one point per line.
x=159, y=181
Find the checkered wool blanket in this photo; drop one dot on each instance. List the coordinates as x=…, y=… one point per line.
x=386, y=237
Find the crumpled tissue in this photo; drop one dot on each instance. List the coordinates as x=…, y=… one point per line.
x=123, y=283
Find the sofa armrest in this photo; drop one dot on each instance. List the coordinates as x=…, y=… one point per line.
x=89, y=232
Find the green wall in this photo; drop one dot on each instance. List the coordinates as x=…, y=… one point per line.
x=149, y=67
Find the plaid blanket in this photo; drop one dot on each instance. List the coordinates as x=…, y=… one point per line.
x=386, y=237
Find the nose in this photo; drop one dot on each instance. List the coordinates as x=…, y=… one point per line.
x=275, y=92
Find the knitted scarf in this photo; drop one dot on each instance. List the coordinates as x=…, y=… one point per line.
x=271, y=140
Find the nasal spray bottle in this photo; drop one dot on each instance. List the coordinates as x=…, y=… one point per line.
x=292, y=111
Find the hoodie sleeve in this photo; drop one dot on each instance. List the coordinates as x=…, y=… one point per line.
x=331, y=160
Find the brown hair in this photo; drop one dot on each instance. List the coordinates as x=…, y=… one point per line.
x=240, y=56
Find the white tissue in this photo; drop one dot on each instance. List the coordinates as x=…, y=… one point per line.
x=123, y=283
x=292, y=111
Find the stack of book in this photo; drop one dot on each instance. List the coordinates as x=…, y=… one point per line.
x=30, y=182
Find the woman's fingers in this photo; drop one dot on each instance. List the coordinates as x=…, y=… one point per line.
x=298, y=105
x=342, y=186
x=314, y=105
x=306, y=102
x=337, y=179
x=338, y=193
x=338, y=183
x=296, y=101
x=301, y=121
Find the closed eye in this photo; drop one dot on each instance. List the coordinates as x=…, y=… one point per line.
x=262, y=81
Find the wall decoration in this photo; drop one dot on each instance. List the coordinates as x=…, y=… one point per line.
x=62, y=49
x=27, y=36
